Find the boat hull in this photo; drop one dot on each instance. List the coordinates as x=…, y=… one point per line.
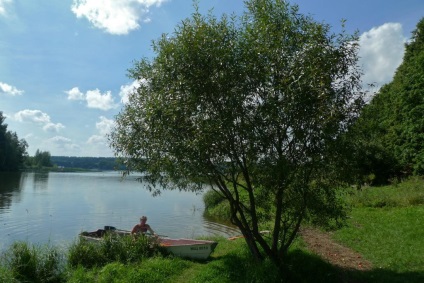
x=188, y=248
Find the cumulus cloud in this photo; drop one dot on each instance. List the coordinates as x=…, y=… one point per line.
x=75, y=94
x=112, y=16
x=126, y=90
x=104, y=127
x=96, y=139
x=38, y=117
x=61, y=144
x=60, y=139
x=51, y=127
x=8, y=89
x=28, y=115
x=3, y=4
x=94, y=98
x=381, y=52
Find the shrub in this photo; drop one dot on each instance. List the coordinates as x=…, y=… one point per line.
x=34, y=263
x=111, y=248
x=211, y=199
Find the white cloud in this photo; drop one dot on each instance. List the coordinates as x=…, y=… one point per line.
x=28, y=115
x=60, y=139
x=115, y=17
x=51, y=127
x=96, y=139
x=95, y=99
x=105, y=125
x=126, y=90
x=38, y=117
x=8, y=89
x=61, y=144
x=75, y=94
x=3, y=4
x=381, y=52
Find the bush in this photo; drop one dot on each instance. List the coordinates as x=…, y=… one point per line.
x=34, y=263
x=211, y=199
x=111, y=248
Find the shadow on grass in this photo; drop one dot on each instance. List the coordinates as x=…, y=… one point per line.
x=301, y=267
x=305, y=267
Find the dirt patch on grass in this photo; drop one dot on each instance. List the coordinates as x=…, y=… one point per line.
x=323, y=245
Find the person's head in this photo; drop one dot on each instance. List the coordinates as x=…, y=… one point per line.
x=143, y=219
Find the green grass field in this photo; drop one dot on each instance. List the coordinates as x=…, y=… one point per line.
x=386, y=225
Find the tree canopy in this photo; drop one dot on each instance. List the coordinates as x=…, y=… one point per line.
x=254, y=107
x=42, y=159
x=12, y=150
x=393, y=121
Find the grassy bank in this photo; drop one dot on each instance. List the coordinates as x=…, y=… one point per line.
x=385, y=225
x=129, y=261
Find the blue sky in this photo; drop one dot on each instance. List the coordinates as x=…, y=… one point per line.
x=63, y=64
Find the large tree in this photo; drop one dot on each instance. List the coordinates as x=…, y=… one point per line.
x=12, y=150
x=253, y=106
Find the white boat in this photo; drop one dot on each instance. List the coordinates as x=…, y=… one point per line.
x=187, y=248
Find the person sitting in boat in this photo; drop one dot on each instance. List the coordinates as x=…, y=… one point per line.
x=142, y=227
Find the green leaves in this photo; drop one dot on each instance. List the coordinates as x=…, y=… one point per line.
x=12, y=150
x=394, y=119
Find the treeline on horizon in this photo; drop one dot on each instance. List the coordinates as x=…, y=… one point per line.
x=88, y=163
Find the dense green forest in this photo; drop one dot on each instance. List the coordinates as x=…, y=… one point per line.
x=391, y=126
x=12, y=149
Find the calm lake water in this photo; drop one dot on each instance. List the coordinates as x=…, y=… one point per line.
x=55, y=207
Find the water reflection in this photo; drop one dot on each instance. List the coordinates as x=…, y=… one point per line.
x=10, y=186
x=41, y=180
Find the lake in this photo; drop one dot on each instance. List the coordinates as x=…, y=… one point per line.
x=55, y=207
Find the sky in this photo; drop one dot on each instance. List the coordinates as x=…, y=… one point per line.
x=63, y=64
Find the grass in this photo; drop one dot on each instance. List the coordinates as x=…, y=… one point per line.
x=230, y=263
x=386, y=227
x=407, y=193
x=150, y=270
x=390, y=238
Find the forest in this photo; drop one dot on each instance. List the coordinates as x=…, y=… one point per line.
x=12, y=149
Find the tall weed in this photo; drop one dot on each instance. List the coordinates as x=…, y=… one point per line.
x=29, y=263
x=407, y=193
x=111, y=248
